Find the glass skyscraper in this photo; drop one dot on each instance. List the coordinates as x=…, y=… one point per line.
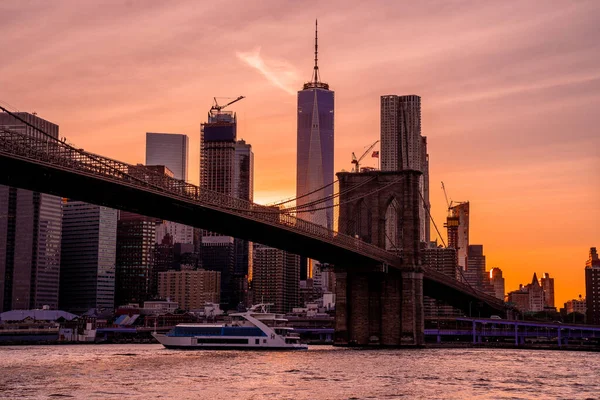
x=88, y=253
x=170, y=150
x=314, y=166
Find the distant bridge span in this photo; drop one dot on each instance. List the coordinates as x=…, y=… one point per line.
x=51, y=166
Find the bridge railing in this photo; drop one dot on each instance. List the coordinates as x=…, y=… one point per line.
x=64, y=156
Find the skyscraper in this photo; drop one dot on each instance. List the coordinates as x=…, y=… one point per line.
x=475, y=273
x=548, y=286
x=30, y=234
x=497, y=282
x=275, y=278
x=226, y=166
x=592, y=287
x=88, y=255
x=403, y=147
x=457, y=224
x=170, y=150
x=135, y=258
x=315, y=141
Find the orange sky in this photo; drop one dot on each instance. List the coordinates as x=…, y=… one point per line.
x=510, y=97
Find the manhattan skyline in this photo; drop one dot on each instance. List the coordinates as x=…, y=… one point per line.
x=509, y=98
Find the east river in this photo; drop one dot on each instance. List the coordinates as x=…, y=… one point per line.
x=322, y=372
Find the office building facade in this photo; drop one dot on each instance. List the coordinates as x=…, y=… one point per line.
x=275, y=278
x=135, y=264
x=191, y=289
x=404, y=148
x=592, y=288
x=30, y=233
x=497, y=281
x=170, y=150
x=548, y=286
x=88, y=257
x=227, y=166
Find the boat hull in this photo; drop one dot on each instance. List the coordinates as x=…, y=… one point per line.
x=247, y=348
x=258, y=344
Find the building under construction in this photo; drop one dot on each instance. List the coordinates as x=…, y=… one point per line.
x=457, y=224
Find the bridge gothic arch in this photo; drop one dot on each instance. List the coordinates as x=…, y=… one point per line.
x=392, y=225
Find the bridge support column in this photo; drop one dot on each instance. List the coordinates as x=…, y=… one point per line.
x=341, y=308
x=375, y=308
x=359, y=308
x=413, y=324
x=391, y=308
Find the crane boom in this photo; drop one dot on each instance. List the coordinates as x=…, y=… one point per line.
x=216, y=107
x=445, y=195
x=357, y=161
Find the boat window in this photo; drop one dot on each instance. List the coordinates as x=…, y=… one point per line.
x=257, y=341
x=222, y=341
x=242, y=331
x=196, y=331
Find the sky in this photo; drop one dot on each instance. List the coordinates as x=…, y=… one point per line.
x=510, y=95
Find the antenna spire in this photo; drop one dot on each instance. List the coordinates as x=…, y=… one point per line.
x=316, y=77
x=315, y=82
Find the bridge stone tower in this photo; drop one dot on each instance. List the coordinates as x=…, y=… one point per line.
x=384, y=305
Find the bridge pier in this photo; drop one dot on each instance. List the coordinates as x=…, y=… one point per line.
x=379, y=309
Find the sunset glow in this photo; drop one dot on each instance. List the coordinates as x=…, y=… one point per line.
x=510, y=94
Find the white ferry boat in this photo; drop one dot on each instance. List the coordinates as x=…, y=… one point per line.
x=255, y=329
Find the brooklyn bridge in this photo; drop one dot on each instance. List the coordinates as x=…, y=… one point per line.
x=379, y=292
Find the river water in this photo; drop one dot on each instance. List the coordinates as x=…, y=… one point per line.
x=322, y=372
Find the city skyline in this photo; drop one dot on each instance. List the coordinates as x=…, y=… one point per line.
x=524, y=167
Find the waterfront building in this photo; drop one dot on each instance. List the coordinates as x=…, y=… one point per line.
x=536, y=295
x=191, y=289
x=30, y=234
x=497, y=281
x=576, y=305
x=530, y=297
x=275, y=278
x=592, y=288
x=88, y=256
x=519, y=298
x=404, y=148
x=547, y=284
x=135, y=258
x=457, y=225
x=226, y=166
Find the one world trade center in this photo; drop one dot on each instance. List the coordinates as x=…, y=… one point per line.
x=314, y=180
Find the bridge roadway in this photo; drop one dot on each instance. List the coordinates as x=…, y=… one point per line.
x=51, y=166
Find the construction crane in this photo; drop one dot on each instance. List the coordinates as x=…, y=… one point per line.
x=451, y=202
x=446, y=195
x=216, y=108
x=356, y=161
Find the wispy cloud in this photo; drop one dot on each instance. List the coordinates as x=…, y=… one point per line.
x=280, y=73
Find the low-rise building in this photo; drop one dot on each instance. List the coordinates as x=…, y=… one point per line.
x=190, y=288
